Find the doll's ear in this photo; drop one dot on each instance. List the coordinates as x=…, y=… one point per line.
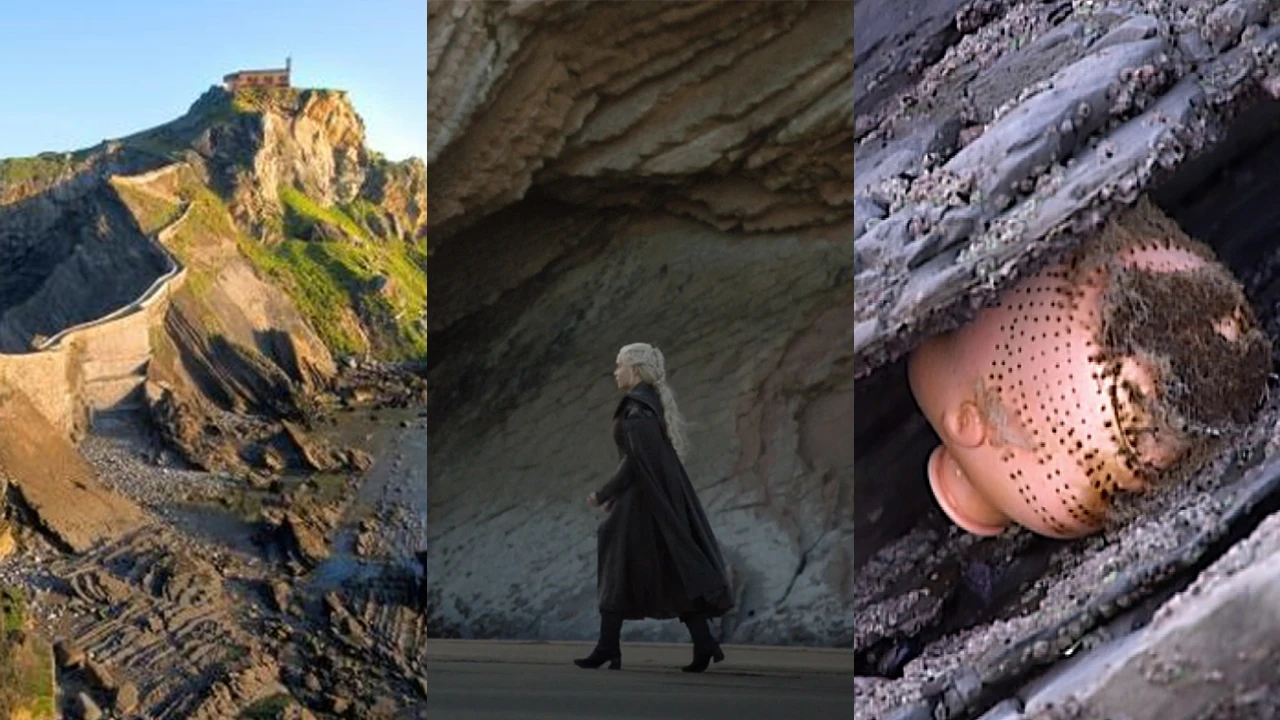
x=965, y=425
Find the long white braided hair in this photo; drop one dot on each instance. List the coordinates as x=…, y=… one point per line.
x=649, y=364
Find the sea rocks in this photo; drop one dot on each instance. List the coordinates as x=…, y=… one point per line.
x=303, y=525
x=358, y=460
x=68, y=655
x=188, y=424
x=100, y=676
x=125, y=699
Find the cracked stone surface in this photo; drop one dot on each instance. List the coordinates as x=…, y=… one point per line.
x=672, y=173
x=1027, y=133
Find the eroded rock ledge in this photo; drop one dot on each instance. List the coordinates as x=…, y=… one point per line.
x=1036, y=123
x=737, y=114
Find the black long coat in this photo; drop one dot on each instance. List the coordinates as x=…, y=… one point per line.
x=657, y=556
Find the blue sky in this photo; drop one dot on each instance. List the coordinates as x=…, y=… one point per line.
x=76, y=72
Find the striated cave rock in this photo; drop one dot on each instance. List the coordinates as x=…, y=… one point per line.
x=674, y=173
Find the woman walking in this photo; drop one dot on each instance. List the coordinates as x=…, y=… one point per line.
x=656, y=554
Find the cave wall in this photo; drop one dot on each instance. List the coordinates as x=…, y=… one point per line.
x=739, y=114
x=675, y=173
x=757, y=342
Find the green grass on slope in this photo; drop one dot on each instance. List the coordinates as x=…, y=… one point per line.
x=26, y=668
x=317, y=294
x=333, y=284
x=40, y=169
x=152, y=212
x=326, y=278
x=13, y=608
x=301, y=212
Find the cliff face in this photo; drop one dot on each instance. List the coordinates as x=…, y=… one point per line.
x=312, y=140
x=79, y=259
x=671, y=173
x=292, y=166
x=287, y=165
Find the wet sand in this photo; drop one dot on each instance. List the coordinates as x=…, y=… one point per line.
x=536, y=681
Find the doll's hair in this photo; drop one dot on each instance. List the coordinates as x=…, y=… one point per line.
x=1193, y=329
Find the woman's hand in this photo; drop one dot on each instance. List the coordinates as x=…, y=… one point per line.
x=592, y=500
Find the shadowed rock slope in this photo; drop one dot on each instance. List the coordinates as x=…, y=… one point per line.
x=673, y=173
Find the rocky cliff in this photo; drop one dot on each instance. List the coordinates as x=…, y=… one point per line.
x=333, y=224
x=674, y=173
x=298, y=244
x=226, y=275
x=310, y=140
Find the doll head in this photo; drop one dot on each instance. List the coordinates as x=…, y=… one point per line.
x=1090, y=378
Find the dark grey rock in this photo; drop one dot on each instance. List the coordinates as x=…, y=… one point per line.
x=865, y=210
x=1223, y=26
x=1047, y=127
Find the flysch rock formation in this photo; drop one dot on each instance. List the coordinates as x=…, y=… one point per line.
x=991, y=138
x=55, y=482
x=672, y=173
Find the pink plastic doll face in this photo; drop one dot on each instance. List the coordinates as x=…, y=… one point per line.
x=1042, y=419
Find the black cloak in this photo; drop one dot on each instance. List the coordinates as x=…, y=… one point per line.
x=656, y=554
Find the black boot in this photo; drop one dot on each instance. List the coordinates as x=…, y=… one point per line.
x=705, y=647
x=608, y=648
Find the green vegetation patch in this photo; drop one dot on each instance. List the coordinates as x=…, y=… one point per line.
x=26, y=663
x=384, y=280
x=319, y=296
x=39, y=170
x=269, y=708
x=302, y=214
x=34, y=663
x=209, y=218
x=261, y=99
x=13, y=608
x=151, y=211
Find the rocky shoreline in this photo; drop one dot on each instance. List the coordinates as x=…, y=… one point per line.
x=294, y=591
